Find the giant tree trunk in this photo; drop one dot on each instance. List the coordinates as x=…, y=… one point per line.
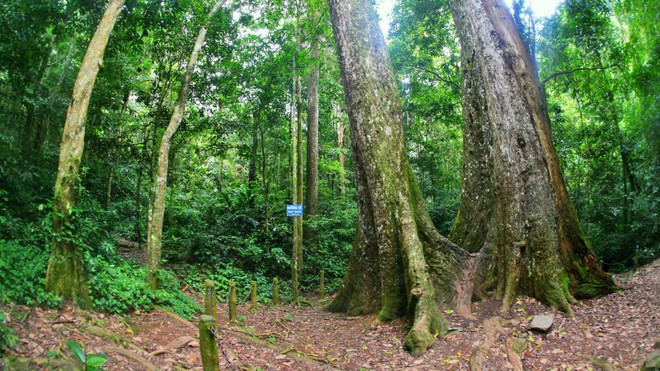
x=155, y=230
x=514, y=206
x=66, y=274
x=400, y=265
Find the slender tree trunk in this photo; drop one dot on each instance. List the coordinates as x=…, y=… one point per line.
x=66, y=274
x=154, y=140
x=514, y=206
x=155, y=232
x=299, y=178
x=138, y=187
x=400, y=265
x=264, y=177
x=312, y=175
x=252, y=168
x=46, y=128
x=295, y=159
x=296, y=167
x=30, y=128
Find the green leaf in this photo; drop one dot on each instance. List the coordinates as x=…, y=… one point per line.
x=96, y=360
x=76, y=350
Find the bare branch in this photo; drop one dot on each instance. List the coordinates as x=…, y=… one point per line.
x=437, y=75
x=561, y=73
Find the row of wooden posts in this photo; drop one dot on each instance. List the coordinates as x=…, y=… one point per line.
x=208, y=346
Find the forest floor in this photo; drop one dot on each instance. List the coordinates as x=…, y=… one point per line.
x=614, y=332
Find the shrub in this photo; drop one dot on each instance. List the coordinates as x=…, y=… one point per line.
x=23, y=272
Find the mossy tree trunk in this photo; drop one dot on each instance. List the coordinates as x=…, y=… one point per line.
x=514, y=207
x=66, y=274
x=157, y=211
x=400, y=265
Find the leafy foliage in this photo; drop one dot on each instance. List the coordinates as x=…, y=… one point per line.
x=89, y=362
x=7, y=337
x=120, y=287
x=23, y=272
x=589, y=54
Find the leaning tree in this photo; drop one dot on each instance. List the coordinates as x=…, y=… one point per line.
x=66, y=274
x=157, y=210
x=530, y=238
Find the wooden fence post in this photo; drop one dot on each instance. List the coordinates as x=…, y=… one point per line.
x=253, y=296
x=232, y=302
x=276, y=291
x=208, y=346
x=210, y=300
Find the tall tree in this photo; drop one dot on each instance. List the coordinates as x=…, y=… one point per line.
x=400, y=265
x=514, y=207
x=312, y=170
x=155, y=226
x=66, y=274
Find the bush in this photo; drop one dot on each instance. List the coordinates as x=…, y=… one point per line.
x=121, y=287
x=7, y=337
x=23, y=272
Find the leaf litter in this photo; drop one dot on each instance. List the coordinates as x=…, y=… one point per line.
x=616, y=331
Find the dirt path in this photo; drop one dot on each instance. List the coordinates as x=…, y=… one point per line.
x=617, y=331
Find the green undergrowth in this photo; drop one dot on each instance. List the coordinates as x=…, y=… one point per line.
x=194, y=277
x=23, y=272
x=223, y=273
x=121, y=287
x=117, y=286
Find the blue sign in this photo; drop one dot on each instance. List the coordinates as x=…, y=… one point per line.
x=294, y=210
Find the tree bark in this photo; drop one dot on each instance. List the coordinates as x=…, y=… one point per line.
x=252, y=168
x=312, y=175
x=514, y=206
x=264, y=177
x=66, y=274
x=400, y=265
x=341, y=129
x=155, y=232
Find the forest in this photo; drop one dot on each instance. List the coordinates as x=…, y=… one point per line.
x=324, y=195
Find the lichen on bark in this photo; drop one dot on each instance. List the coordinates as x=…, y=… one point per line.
x=66, y=274
x=396, y=247
x=515, y=217
x=513, y=197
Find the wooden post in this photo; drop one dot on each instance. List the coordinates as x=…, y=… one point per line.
x=322, y=285
x=232, y=302
x=276, y=291
x=210, y=300
x=208, y=346
x=253, y=296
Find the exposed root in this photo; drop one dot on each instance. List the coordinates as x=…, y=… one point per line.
x=229, y=356
x=181, y=342
x=108, y=335
x=146, y=364
x=176, y=317
x=492, y=328
x=428, y=324
x=312, y=361
x=464, y=287
x=515, y=346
